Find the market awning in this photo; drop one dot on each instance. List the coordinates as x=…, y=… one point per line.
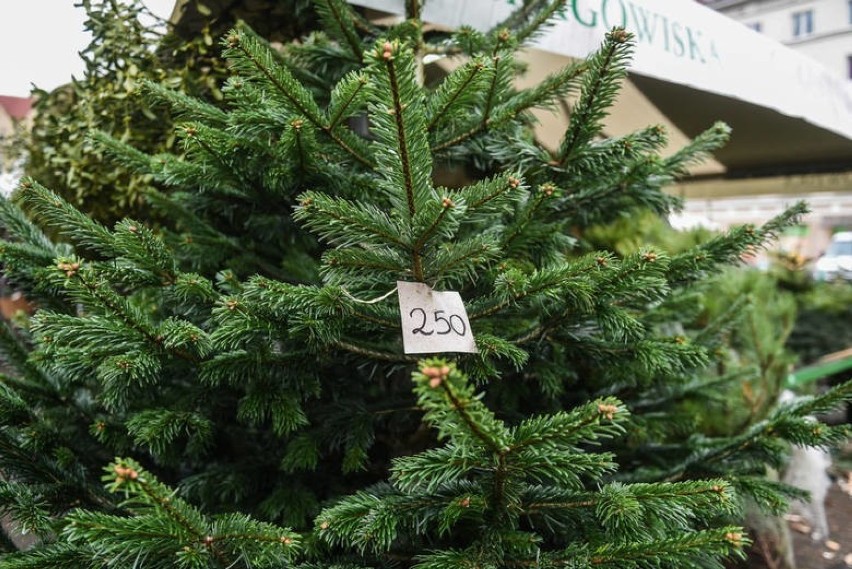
x=789, y=114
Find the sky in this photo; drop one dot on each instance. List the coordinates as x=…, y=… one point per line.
x=40, y=39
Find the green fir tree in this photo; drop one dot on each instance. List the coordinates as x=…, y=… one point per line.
x=247, y=360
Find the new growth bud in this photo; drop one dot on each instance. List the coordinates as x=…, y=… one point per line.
x=619, y=35
x=436, y=375
x=608, y=411
x=69, y=268
x=124, y=473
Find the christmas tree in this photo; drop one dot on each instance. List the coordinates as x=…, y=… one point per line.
x=247, y=360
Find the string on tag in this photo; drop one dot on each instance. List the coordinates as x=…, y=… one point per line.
x=373, y=301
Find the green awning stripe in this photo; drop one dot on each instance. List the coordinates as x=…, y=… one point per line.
x=818, y=371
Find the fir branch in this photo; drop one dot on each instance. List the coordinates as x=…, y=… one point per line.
x=366, y=267
x=460, y=407
x=402, y=147
x=340, y=19
x=455, y=92
x=540, y=17
x=606, y=69
x=125, y=154
x=259, y=55
x=183, y=104
x=228, y=538
x=446, y=205
x=680, y=550
x=57, y=556
x=442, y=391
x=692, y=494
x=405, y=158
x=500, y=70
x=343, y=223
x=527, y=214
x=595, y=420
x=461, y=260
x=374, y=319
x=491, y=94
x=19, y=228
x=698, y=148
x=58, y=214
x=115, y=304
x=345, y=97
x=490, y=192
x=530, y=10
x=788, y=422
x=546, y=281
x=198, y=134
x=727, y=248
x=14, y=351
x=289, y=88
x=552, y=88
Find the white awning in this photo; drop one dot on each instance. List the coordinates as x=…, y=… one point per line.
x=697, y=65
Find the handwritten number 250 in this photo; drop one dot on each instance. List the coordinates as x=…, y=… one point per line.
x=454, y=323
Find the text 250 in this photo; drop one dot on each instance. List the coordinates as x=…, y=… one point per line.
x=439, y=324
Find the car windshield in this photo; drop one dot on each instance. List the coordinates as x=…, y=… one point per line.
x=839, y=248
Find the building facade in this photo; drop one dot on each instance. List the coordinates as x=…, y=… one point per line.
x=821, y=29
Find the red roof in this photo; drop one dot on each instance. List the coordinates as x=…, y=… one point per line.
x=16, y=107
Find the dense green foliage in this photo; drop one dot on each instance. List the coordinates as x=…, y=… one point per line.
x=247, y=355
x=122, y=55
x=751, y=359
x=755, y=348
x=823, y=322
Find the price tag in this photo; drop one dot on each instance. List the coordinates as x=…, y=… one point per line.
x=433, y=322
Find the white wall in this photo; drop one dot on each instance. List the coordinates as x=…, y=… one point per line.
x=832, y=51
x=831, y=41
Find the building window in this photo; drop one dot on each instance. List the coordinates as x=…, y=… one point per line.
x=850, y=11
x=849, y=67
x=756, y=26
x=803, y=23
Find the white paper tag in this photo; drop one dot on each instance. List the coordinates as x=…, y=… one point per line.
x=433, y=322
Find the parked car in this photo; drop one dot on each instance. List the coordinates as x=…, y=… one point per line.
x=836, y=263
